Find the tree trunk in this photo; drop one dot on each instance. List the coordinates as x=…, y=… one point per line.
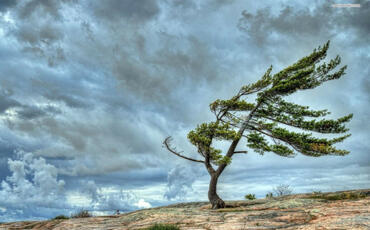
x=215, y=200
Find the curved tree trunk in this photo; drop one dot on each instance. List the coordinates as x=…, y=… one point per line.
x=215, y=200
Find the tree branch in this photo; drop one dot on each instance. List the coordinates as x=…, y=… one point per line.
x=166, y=143
x=273, y=137
x=240, y=152
x=209, y=167
x=235, y=142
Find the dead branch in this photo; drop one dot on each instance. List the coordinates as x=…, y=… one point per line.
x=167, y=144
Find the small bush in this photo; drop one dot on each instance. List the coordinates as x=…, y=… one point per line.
x=250, y=197
x=81, y=214
x=269, y=195
x=61, y=217
x=163, y=227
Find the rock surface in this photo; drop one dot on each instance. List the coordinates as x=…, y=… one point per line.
x=339, y=210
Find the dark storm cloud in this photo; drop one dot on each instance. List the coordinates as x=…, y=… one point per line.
x=70, y=100
x=116, y=10
x=184, y=60
x=5, y=4
x=45, y=34
x=49, y=7
x=31, y=112
x=181, y=4
x=292, y=23
x=38, y=27
x=24, y=111
x=7, y=103
x=6, y=151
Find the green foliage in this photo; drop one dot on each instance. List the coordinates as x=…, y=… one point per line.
x=259, y=85
x=338, y=196
x=257, y=142
x=270, y=122
x=231, y=105
x=203, y=135
x=81, y=214
x=282, y=150
x=269, y=195
x=163, y=227
x=61, y=217
x=250, y=196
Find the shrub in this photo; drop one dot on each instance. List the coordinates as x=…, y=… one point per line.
x=163, y=227
x=338, y=196
x=282, y=190
x=61, y=217
x=269, y=195
x=81, y=214
x=250, y=197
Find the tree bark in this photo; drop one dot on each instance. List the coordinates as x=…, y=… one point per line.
x=215, y=200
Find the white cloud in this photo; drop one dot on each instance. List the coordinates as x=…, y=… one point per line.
x=143, y=204
x=111, y=198
x=32, y=183
x=179, y=181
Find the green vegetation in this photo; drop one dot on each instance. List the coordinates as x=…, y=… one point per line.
x=61, y=217
x=163, y=227
x=250, y=197
x=270, y=123
x=338, y=196
x=81, y=214
x=269, y=195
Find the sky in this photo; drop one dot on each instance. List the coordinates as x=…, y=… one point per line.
x=90, y=89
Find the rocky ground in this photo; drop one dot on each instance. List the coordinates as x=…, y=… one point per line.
x=339, y=210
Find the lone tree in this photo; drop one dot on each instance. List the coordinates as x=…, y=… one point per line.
x=270, y=123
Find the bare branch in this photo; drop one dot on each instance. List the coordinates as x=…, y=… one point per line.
x=240, y=152
x=167, y=144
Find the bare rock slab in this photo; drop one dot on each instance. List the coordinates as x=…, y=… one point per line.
x=339, y=210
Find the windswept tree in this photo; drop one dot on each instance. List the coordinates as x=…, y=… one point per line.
x=270, y=123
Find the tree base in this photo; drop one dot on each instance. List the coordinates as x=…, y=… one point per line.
x=218, y=203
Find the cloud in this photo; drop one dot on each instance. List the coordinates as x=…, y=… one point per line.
x=111, y=199
x=38, y=25
x=301, y=180
x=5, y=4
x=32, y=183
x=179, y=182
x=34, y=7
x=7, y=103
x=293, y=23
x=115, y=10
x=10, y=107
x=143, y=204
